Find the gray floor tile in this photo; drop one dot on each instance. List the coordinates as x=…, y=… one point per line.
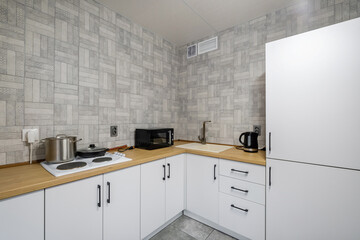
x=216, y=235
x=172, y=233
x=192, y=227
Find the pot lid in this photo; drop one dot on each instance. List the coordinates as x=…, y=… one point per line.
x=60, y=137
x=92, y=149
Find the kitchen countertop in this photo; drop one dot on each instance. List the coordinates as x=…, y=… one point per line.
x=28, y=178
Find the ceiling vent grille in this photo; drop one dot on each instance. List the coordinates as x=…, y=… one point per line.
x=208, y=45
x=192, y=51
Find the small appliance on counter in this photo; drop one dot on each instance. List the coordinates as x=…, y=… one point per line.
x=150, y=139
x=250, y=142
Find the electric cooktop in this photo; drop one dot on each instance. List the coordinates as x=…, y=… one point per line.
x=83, y=164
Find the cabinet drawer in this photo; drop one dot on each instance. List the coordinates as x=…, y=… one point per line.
x=244, y=171
x=246, y=190
x=250, y=224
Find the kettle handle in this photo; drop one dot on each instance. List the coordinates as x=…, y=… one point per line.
x=240, y=139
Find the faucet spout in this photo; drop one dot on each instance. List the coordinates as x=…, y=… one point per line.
x=203, y=138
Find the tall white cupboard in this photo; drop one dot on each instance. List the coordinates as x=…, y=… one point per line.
x=313, y=129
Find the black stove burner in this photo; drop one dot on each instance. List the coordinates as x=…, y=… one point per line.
x=102, y=159
x=72, y=165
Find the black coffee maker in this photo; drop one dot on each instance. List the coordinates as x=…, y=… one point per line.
x=250, y=142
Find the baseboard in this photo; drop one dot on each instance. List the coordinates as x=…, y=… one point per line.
x=163, y=226
x=214, y=225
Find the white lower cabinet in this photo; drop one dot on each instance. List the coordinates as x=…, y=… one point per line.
x=242, y=198
x=122, y=204
x=153, y=178
x=22, y=217
x=175, y=185
x=101, y=207
x=134, y=202
x=74, y=210
x=241, y=216
x=311, y=202
x=162, y=192
x=203, y=186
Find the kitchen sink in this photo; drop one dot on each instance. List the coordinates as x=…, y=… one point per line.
x=205, y=147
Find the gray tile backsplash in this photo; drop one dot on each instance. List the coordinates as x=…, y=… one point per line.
x=227, y=86
x=77, y=67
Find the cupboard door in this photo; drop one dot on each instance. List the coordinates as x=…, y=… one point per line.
x=175, y=180
x=122, y=204
x=22, y=217
x=203, y=186
x=313, y=96
x=153, y=178
x=307, y=201
x=74, y=210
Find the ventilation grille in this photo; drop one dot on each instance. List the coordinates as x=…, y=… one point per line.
x=208, y=45
x=192, y=51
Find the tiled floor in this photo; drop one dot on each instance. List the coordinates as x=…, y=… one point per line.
x=185, y=228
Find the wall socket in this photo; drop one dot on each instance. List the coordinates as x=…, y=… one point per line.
x=113, y=131
x=257, y=129
x=25, y=131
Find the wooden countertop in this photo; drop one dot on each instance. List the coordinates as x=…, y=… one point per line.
x=27, y=178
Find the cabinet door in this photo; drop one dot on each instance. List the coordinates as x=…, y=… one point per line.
x=74, y=210
x=313, y=96
x=175, y=179
x=153, y=179
x=22, y=217
x=202, y=186
x=311, y=202
x=122, y=204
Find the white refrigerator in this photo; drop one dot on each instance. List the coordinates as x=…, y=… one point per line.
x=313, y=134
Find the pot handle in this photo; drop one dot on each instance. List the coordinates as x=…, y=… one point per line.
x=61, y=135
x=76, y=140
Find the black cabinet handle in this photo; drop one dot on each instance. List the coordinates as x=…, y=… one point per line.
x=214, y=171
x=99, y=196
x=234, y=170
x=241, y=190
x=164, y=172
x=108, y=198
x=269, y=142
x=169, y=170
x=269, y=176
x=242, y=209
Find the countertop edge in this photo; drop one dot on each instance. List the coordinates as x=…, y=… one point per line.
x=52, y=181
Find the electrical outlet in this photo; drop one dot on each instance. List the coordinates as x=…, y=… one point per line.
x=113, y=131
x=25, y=131
x=257, y=129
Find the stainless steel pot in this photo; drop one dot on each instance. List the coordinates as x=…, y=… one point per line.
x=61, y=148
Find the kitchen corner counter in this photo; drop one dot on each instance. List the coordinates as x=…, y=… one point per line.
x=28, y=178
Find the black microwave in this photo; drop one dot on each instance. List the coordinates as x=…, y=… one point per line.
x=154, y=138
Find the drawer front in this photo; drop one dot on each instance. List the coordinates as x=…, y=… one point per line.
x=250, y=223
x=246, y=190
x=244, y=171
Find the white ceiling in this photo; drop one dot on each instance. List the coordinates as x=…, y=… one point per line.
x=184, y=21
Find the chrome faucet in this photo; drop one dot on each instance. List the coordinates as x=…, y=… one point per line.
x=203, y=139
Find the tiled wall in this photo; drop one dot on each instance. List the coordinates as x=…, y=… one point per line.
x=76, y=67
x=227, y=86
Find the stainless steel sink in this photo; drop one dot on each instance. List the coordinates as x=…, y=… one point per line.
x=214, y=148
